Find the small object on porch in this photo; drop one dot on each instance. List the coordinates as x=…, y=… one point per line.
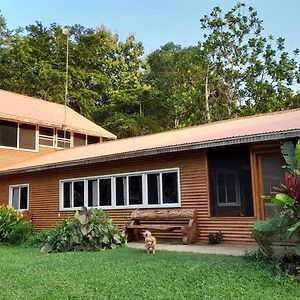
x=215, y=237
x=164, y=220
x=150, y=241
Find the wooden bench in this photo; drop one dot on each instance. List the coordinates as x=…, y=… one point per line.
x=164, y=220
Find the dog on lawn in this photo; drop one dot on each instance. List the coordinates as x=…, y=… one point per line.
x=150, y=241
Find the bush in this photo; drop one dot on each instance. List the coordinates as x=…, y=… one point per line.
x=14, y=228
x=89, y=230
x=38, y=239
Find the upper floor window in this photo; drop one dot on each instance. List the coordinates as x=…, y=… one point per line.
x=145, y=189
x=46, y=136
x=19, y=196
x=16, y=135
x=51, y=137
x=63, y=139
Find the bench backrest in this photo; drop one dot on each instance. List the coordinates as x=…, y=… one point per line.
x=163, y=214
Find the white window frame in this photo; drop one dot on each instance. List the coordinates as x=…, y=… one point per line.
x=113, y=190
x=237, y=188
x=18, y=138
x=19, y=186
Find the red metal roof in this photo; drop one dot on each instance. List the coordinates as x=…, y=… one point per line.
x=272, y=126
x=36, y=111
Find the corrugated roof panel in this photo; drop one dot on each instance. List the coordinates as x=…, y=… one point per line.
x=203, y=136
x=31, y=110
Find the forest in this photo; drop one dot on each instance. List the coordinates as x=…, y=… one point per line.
x=233, y=71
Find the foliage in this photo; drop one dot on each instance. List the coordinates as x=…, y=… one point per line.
x=89, y=230
x=14, y=228
x=249, y=72
x=215, y=237
x=287, y=218
x=234, y=71
x=131, y=273
x=265, y=241
x=38, y=239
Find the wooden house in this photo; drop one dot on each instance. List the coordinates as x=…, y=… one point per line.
x=30, y=127
x=222, y=169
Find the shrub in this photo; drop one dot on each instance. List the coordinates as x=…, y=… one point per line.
x=14, y=228
x=38, y=239
x=89, y=230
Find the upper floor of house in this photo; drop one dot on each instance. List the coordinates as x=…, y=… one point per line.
x=30, y=127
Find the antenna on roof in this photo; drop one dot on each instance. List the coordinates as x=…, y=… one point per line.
x=66, y=31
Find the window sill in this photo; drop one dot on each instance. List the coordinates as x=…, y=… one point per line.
x=126, y=207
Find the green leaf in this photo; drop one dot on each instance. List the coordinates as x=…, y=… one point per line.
x=282, y=199
x=297, y=250
x=86, y=229
x=269, y=225
x=294, y=227
x=288, y=152
x=297, y=152
x=47, y=248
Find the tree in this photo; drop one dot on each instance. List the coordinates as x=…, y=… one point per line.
x=177, y=73
x=254, y=75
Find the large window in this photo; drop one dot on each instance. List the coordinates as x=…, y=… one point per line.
x=19, y=196
x=15, y=135
x=141, y=189
x=230, y=182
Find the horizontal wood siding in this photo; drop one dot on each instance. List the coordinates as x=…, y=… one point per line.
x=44, y=193
x=10, y=156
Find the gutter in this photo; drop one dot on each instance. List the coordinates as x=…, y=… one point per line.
x=282, y=135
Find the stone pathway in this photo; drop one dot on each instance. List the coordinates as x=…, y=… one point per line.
x=226, y=249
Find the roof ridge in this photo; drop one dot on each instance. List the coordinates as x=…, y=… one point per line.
x=211, y=123
x=32, y=97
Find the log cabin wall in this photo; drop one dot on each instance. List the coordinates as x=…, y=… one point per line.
x=194, y=187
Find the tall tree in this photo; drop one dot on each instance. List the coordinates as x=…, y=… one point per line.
x=177, y=73
x=255, y=74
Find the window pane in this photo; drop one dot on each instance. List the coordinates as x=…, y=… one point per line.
x=27, y=136
x=120, y=191
x=63, y=134
x=24, y=197
x=8, y=134
x=64, y=144
x=46, y=136
x=221, y=188
x=105, y=192
x=79, y=139
x=92, y=193
x=170, y=192
x=135, y=190
x=78, y=193
x=273, y=176
x=231, y=184
x=153, y=189
x=67, y=194
x=93, y=139
x=15, y=197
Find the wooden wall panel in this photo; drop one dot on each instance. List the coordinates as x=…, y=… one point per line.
x=44, y=189
x=10, y=156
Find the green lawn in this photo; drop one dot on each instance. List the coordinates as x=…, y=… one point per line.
x=133, y=274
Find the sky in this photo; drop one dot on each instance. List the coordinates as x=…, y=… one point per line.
x=153, y=22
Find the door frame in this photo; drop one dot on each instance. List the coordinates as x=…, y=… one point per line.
x=257, y=178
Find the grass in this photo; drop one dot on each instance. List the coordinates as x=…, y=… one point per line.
x=133, y=274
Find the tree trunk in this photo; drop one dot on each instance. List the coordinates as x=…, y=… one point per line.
x=207, y=93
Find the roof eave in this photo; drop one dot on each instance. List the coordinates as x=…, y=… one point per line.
x=273, y=136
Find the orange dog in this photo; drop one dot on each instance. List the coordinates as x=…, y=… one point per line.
x=150, y=241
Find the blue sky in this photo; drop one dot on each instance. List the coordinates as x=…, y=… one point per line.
x=153, y=22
